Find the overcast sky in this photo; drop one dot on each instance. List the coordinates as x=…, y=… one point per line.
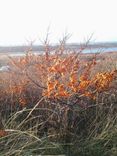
x=22, y=20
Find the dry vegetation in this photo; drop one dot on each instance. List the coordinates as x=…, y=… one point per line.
x=60, y=102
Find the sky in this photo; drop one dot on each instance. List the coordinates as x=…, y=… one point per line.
x=22, y=21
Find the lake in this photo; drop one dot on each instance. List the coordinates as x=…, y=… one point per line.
x=87, y=50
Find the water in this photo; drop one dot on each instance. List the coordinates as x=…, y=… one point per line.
x=97, y=50
x=91, y=50
x=21, y=54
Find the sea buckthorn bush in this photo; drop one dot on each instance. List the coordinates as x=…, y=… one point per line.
x=58, y=94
